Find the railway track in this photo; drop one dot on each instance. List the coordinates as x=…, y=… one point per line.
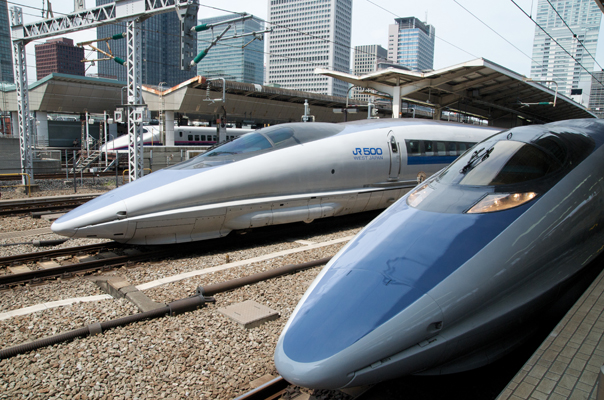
x=40, y=204
x=270, y=390
x=233, y=241
x=104, y=261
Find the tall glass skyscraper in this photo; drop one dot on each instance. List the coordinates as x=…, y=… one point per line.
x=6, y=53
x=551, y=62
x=161, y=50
x=411, y=43
x=308, y=35
x=229, y=59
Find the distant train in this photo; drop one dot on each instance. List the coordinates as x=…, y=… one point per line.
x=459, y=271
x=281, y=174
x=183, y=136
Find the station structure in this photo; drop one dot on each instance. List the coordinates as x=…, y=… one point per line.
x=478, y=88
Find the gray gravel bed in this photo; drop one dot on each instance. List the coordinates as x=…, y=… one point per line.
x=177, y=290
x=25, y=296
x=198, y=355
x=53, y=321
x=22, y=223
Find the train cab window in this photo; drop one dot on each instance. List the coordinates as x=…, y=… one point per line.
x=190, y=138
x=145, y=130
x=413, y=147
x=502, y=162
x=180, y=133
x=244, y=144
x=280, y=135
x=197, y=138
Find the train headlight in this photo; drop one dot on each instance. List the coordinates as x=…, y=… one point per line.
x=501, y=201
x=419, y=195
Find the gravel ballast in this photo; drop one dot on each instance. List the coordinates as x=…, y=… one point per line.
x=198, y=355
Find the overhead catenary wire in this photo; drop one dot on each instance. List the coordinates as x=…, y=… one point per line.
x=574, y=34
x=494, y=31
x=555, y=41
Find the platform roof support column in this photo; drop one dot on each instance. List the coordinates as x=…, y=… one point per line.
x=20, y=69
x=437, y=115
x=396, y=101
x=135, y=100
x=169, y=120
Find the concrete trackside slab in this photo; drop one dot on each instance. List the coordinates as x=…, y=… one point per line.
x=249, y=314
x=118, y=287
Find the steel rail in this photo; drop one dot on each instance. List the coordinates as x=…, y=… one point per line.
x=67, y=271
x=270, y=390
x=48, y=254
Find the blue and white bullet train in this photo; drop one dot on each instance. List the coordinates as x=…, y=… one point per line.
x=280, y=174
x=443, y=280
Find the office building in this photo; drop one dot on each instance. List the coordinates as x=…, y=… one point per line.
x=6, y=53
x=551, y=59
x=59, y=55
x=308, y=35
x=366, y=59
x=596, y=95
x=229, y=59
x=160, y=37
x=411, y=43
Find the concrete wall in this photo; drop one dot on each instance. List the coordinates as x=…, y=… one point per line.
x=10, y=157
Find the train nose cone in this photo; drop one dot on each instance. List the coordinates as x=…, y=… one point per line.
x=373, y=301
x=314, y=351
x=90, y=217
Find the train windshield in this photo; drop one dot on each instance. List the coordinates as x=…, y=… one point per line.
x=504, y=162
x=262, y=141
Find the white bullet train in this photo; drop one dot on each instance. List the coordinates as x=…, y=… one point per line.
x=183, y=136
x=280, y=174
x=446, y=279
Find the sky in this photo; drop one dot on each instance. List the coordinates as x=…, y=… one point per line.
x=505, y=35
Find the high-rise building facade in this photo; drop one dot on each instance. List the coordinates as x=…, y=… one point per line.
x=366, y=59
x=596, y=95
x=411, y=43
x=551, y=60
x=59, y=55
x=160, y=36
x=6, y=53
x=309, y=34
x=229, y=59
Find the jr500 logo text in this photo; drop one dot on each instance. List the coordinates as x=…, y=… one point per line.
x=367, y=153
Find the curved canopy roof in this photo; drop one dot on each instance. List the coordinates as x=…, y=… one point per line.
x=478, y=87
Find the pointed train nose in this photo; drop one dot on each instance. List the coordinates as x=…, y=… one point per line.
x=91, y=219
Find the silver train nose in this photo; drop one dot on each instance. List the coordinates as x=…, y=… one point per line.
x=95, y=219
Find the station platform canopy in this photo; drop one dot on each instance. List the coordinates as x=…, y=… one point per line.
x=478, y=87
x=247, y=102
x=67, y=93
